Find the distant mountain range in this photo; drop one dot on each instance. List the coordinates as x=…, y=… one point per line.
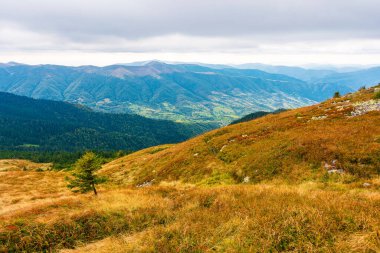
x=30, y=124
x=351, y=77
x=181, y=92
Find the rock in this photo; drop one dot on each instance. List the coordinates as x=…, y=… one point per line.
x=341, y=107
x=329, y=167
x=246, y=180
x=332, y=168
x=361, y=108
x=145, y=184
x=333, y=171
x=319, y=117
x=366, y=185
x=196, y=154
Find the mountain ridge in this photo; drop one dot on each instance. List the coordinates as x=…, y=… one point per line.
x=183, y=92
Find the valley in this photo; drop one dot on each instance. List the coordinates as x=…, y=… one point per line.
x=181, y=92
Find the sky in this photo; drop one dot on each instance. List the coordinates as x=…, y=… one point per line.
x=103, y=32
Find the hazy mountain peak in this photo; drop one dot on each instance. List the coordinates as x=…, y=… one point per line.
x=155, y=63
x=10, y=64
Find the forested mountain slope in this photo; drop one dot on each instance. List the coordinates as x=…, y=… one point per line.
x=27, y=123
x=181, y=92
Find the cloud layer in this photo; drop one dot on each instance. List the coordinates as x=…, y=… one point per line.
x=232, y=27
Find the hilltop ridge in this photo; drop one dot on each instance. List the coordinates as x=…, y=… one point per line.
x=338, y=136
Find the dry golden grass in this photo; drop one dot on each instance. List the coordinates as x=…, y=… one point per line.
x=21, y=189
x=309, y=217
x=258, y=218
x=24, y=165
x=290, y=146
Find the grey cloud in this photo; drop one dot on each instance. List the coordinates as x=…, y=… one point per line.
x=87, y=20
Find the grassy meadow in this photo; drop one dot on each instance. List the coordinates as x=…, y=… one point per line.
x=39, y=214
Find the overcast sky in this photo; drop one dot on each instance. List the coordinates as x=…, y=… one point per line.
x=101, y=32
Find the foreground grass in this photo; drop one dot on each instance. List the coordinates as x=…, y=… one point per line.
x=20, y=190
x=258, y=218
x=309, y=217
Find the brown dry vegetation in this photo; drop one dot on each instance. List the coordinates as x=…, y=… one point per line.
x=19, y=190
x=289, y=146
x=198, y=203
x=260, y=218
x=18, y=164
x=310, y=217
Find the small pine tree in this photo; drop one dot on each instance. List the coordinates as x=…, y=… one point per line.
x=337, y=94
x=84, y=174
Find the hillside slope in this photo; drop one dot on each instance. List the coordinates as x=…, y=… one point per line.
x=335, y=209
x=181, y=92
x=339, y=136
x=51, y=125
x=256, y=115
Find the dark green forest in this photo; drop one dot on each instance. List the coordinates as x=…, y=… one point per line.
x=256, y=115
x=60, y=159
x=29, y=127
